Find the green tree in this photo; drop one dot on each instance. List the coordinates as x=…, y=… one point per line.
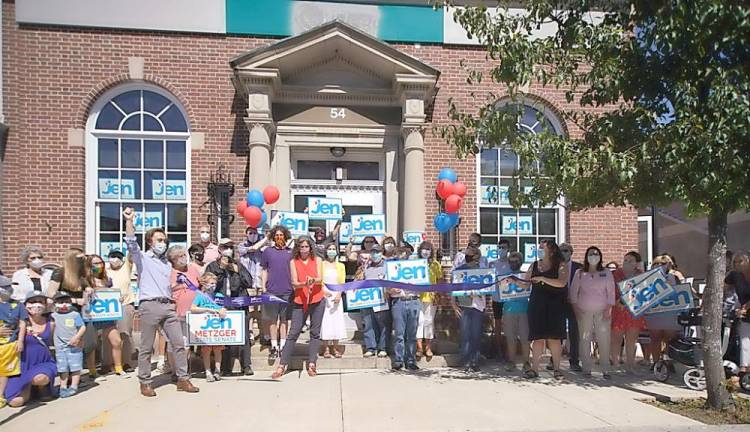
x=661, y=94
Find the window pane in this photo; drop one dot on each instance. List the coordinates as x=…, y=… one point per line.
x=153, y=187
x=150, y=123
x=129, y=102
x=109, y=118
x=177, y=218
x=526, y=222
x=154, y=216
x=153, y=154
x=508, y=222
x=154, y=102
x=133, y=123
x=175, y=154
x=109, y=186
x=487, y=221
x=362, y=170
x=176, y=186
x=178, y=239
x=528, y=248
x=315, y=170
x=130, y=153
x=131, y=178
x=489, y=162
x=489, y=191
x=107, y=153
x=508, y=162
x=547, y=219
x=173, y=120
x=108, y=243
x=109, y=217
x=138, y=208
x=513, y=242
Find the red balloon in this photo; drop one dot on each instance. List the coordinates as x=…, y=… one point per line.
x=241, y=207
x=444, y=189
x=459, y=188
x=253, y=216
x=271, y=194
x=453, y=203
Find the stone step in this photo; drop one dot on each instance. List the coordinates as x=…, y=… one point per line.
x=298, y=363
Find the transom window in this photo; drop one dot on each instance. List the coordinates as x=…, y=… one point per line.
x=138, y=158
x=524, y=228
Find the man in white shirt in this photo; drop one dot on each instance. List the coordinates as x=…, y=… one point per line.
x=210, y=250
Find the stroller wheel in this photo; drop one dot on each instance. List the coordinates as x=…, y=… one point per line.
x=661, y=371
x=745, y=382
x=695, y=379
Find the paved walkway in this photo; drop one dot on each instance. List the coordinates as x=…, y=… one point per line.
x=363, y=401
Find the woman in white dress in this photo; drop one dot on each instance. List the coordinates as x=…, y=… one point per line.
x=333, y=328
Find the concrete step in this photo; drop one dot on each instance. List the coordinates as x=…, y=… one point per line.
x=299, y=362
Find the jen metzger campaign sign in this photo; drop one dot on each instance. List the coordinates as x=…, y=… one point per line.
x=325, y=208
x=414, y=272
x=641, y=292
x=680, y=300
x=210, y=329
x=296, y=223
x=474, y=276
x=512, y=289
x=368, y=225
x=365, y=298
x=104, y=306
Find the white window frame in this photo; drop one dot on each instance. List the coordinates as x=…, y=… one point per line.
x=92, y=153
x=649, y=220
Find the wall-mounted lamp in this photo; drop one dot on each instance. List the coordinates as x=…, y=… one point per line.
x=338, y=151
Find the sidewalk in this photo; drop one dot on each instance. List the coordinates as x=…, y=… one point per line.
x=364, y=401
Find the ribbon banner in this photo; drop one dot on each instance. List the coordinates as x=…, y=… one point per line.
x=104, y=306
x=475, y=277
x=233, y=302
x=645, y=290
x=210, y=329
x=680, y=300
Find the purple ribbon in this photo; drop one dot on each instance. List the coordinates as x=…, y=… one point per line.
x=441, y=287
x=245, y=301
x=183, y=279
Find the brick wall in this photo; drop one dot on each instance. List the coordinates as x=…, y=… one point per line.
x=53, y=74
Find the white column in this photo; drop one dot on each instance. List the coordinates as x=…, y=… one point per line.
x=414, y=196
x=260, y=154
x=282, y=162
x=392, y=170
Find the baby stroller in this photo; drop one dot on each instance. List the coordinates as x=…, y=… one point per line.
x=686, y=353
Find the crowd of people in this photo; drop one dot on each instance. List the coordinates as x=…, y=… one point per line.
x=43, y=308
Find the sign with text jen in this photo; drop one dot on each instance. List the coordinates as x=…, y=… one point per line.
x=368, y=225
x=680, y=300
x=512, y=289
x=414, y=238
x=365, y=298
x=414, y=272
x=296, y=223
x=474, y=276
x=324, y=208
x=104, y=306
x=210, y=329
x=641, y=292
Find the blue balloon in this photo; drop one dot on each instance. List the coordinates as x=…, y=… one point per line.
x=453, y=217
x=447, y=174
x=442, y=222
x=255, y=198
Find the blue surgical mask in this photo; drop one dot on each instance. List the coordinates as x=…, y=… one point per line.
x=159, y=248
x=331, y=253
x=540, y=254
x=376, y=257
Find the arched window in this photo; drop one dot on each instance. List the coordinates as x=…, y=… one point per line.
x=137, y=155
x=497, y=219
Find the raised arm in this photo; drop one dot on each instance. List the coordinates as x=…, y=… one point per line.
x=134, y=251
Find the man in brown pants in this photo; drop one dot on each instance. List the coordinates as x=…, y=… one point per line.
x=157, y=309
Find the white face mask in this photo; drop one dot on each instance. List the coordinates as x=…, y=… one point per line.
x=502, y=252
x=35, y=308
x=227, y=252
x=205, y=237
x=389, y=247
x=159, y=248
x=115, y=262
x=594, y=259
x=426, y=253
x=183, y=261
x=37, y=263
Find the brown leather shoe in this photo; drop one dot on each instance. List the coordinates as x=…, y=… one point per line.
x=147, y=390
x=187, y=386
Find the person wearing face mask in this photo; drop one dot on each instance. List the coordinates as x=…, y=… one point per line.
x=276, y=279
x=156, y=305
x=98, y=280
x=120, y=270
x=69, y=333
x=571, y=334
x=502, y=268
x=250, y=252
x=405, y=307
x=33, y=277
x=662, y=326
x=362, y=256
x=390, y=251
x=321, y=239
x=376, y=320
x=333, y=328
x=184, y=281
x=592, y=295
x=624, y=324
x=13, y=318
x=197, y=255
x=475, y=240
x=233, y=280
x=38, y=367
x=210, y=250
x=428, y=300
x=470, y=311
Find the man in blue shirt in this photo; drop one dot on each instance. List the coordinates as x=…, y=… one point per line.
x=156, y=307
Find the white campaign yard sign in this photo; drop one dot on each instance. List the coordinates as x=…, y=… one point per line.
x=415, y=272
x=297, y=223
x=104, y=306
x=474, y=276
x=210, y=329
x=365, y=298
x=319, y=208
x=414, y=238
x=645, y=290
x=680, y=300
x=513, y=290
x=368, y=225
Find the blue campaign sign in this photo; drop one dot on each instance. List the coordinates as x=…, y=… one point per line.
x=210, y=329
x=296, y=223
x=365, y=298
x=474, y=276
x=169, y=189
x=641, y=292
x=105, y=247
x=414, y=238
x=521, y=224
x=512, y=290
x=325, y=208
x=529, y=253
x=104, y=306
x=111, y=188
x=680, y=300
x=414, y=272
x=370, y=224
x=147, y=220
x=489, y=251
x=345, y=232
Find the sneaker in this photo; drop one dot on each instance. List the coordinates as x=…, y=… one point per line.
x=248, y=371
x=397, y=366
x=369, y=354
x=550, y=367
x=72, y=391
x=273, y=353
x=475, y=368
x=607, y=376
x=217, y=377
x=576, y=367
x=382, y=354
x=210, y=377
x=64, y=392
x=510, y=367
x=412, y=367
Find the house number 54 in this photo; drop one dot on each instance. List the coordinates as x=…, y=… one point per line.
x=338, y=113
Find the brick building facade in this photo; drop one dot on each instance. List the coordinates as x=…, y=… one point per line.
x=54, y=75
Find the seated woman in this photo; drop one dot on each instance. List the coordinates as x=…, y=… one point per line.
x=38, y=368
